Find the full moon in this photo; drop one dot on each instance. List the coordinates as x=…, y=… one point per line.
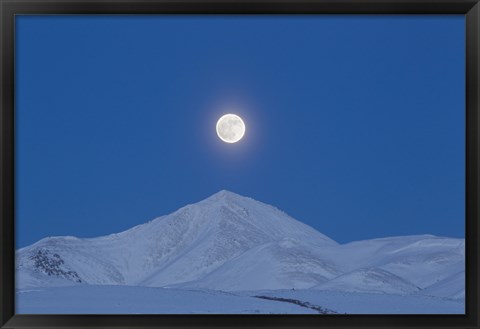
x=230, y=128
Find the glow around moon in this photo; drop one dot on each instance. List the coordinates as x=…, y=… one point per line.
x=230, y=128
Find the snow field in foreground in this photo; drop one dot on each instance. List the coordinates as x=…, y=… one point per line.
x=150, y=300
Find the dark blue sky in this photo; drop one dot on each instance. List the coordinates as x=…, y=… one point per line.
x=355, y=124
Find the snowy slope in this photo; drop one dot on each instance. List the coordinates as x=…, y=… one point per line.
x=275, y=265
x=371, y=280
x=233, y=243
x=452, y=287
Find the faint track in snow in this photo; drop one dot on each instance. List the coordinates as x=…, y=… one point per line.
x=319, y=309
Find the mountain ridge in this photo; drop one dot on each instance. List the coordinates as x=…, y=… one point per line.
x=231, y=242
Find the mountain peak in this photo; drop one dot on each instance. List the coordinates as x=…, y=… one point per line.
x=224, y=195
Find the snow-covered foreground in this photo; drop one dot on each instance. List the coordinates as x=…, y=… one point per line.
x=145, y=300
x=149, y=300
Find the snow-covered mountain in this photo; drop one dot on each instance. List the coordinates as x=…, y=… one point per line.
x=388, y=264
x=233, y=243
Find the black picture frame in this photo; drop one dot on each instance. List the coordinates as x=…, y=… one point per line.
x=11, y=8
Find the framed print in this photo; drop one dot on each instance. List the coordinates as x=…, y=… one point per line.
x=225, y=164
